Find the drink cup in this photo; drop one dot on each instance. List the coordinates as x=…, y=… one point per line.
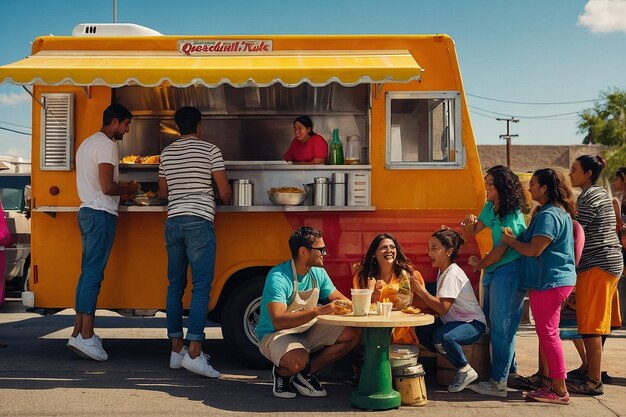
x=361, y=301
x=386, y=309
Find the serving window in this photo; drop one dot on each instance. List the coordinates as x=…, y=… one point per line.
x=423, y=130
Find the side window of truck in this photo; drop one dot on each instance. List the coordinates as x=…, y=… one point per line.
x=423, y=130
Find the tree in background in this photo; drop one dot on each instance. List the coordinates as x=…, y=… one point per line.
x=605, y=123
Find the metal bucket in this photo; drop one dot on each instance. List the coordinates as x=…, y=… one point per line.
x=243, y=192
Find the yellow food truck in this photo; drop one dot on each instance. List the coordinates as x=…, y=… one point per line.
x=399, y=99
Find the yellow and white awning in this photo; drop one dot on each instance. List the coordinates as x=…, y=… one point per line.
x=149, y=69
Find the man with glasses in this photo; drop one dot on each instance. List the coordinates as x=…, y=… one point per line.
x=288, y=330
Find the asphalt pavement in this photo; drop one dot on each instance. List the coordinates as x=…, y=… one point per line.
x=39, y=376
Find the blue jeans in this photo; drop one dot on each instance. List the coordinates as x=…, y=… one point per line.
x=97, y=232
x=451, y=335
x=190, y=242
x=503, y=305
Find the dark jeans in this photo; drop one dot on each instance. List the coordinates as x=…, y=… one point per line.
x=451, y=335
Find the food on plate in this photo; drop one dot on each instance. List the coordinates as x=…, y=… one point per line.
x=341, y=307
x=138, y=159
x=285, y=190
x=131, y=159
x=150, y=194
x=152, y=159
x=411, y=310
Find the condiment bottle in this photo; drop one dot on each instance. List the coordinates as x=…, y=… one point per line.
x=335, y=154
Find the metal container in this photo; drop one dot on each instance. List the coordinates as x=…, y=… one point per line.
x=321, y=191
x=243, y=192
x=287, y=199
x=339, y=188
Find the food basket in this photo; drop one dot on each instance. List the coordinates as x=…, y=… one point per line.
x=287, y=196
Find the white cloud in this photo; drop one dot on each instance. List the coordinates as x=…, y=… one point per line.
x=13, y=99
x=604, y=16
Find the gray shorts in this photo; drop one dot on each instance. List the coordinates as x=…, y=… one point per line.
x=275, y=345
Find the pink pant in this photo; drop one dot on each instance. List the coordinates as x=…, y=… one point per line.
x=546, y=308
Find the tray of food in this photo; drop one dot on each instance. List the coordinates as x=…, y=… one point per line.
x=148, y=199
x=140, y=162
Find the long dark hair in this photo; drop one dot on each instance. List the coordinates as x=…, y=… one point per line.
x=306, y=122
x=510, y=191
x=595, y=164
x=558, y=192
x=449, y=239
x=370, y=267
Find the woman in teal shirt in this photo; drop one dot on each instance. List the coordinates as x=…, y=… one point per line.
x=502, y=300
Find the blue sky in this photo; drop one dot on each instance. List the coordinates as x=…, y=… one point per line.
x=531, y=51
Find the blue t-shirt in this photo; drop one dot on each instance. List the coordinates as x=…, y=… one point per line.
x=279, y=288
x=494, y=222
x=555, y=266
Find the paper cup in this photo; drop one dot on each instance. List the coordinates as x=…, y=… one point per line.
x=361, y=299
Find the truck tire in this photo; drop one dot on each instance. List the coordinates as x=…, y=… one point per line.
x=239, y=319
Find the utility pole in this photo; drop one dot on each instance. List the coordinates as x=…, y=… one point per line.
x=114, y=11
x=508, y=137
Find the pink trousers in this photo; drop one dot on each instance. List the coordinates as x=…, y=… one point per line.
x=546, y=308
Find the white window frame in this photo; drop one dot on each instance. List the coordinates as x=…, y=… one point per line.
x=459, y=153
x=57, y=132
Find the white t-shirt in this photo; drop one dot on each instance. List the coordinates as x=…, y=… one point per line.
x=96, y=149
x=453, y=283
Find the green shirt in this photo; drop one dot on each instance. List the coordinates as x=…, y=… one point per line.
x=494, y=222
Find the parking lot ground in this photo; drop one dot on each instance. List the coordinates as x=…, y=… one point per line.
x=39, y=376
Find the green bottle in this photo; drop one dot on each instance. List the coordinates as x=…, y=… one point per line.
x=335, y=156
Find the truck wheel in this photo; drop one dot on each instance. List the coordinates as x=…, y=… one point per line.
x=239, y=319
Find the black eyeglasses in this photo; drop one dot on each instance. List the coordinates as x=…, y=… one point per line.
x=322, y=249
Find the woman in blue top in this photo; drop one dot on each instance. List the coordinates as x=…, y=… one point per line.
x=502, y=300
x=548, y=271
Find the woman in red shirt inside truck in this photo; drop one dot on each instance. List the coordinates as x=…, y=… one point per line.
x=307, y=147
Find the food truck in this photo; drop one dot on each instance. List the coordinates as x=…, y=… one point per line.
x=399, y=97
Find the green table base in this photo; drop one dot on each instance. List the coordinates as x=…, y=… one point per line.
x=375, y=391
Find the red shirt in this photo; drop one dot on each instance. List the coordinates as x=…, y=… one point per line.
x=315, y=147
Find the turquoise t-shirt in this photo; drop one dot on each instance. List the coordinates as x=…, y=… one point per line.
x=491, y=220
x=554, y=267
x=279, y=288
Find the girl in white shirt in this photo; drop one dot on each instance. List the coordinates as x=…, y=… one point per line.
x=461, y=321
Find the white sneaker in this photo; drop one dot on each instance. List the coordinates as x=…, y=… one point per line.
x=491, y=387
x=88, y=348
x=200, y=365
x=462, y=380
x=176, y=358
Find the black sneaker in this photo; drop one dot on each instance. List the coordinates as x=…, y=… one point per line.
x=282, y=385
x=308, y=385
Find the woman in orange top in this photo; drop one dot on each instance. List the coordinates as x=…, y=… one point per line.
x=386, y=270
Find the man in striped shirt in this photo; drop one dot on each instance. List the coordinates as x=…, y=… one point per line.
x=189, y=166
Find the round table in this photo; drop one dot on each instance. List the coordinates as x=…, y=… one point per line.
x=375, y=391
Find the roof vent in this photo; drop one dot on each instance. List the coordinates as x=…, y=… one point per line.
x=113, y=29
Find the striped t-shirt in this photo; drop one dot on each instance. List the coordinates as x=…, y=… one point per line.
x=188, y=165
x=602, y=248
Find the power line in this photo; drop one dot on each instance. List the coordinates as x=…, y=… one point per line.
x=524, y=117
x=14, y=131
x=532, y=103
x=13, y=124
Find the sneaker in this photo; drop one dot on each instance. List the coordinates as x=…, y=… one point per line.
x=491, y=387
x=200, y=365
x=462, y=380
x=577, y=374
x=589, y=387
x=88, y=348
x=548, y=396
x=282, y=387
x=176, y=358
x=606, y=378
x=308, y=385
